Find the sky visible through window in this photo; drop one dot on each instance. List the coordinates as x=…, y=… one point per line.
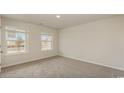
x=16, y=36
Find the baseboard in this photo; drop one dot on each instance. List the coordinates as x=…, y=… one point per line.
x=89, y=61
x=28, y=61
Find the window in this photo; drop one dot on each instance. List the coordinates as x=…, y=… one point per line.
x=46, y=42
x=16, y=41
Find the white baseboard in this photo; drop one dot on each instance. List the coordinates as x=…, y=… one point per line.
x=89, y=61
x=26, y=61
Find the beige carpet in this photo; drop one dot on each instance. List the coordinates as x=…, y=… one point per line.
x=59, y=67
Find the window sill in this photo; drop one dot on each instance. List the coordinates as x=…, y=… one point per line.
x=12, y=54
x=47, y=50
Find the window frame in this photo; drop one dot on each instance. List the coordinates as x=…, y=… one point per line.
x=26, y=48
x=51, y=41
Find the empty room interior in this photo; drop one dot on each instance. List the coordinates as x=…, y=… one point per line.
x=61, y=46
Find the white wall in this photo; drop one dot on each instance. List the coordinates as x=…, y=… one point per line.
x=0, y=43
x=34, y=43
x=100, y=42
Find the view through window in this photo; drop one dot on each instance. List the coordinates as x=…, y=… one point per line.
x=16, y=41
x=46, y=41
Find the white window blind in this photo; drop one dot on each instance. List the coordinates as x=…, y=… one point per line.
x=46, y=41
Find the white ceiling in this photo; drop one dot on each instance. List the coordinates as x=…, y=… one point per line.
x=50, y=20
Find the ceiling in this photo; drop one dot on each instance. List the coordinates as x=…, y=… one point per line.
x=66, y=20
